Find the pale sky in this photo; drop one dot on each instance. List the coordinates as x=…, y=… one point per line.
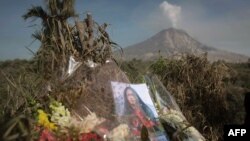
x=224, y=24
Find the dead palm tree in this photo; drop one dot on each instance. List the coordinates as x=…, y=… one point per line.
x=55, y=37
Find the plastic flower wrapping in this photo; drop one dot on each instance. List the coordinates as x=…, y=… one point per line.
x=119, y=133
x=89, y=122
x=137, y=117
x=62, y=118
x=59, y=121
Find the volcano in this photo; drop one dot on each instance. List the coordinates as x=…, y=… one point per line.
x=173, y=42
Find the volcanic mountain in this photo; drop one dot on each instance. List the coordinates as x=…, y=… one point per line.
x=175, y=42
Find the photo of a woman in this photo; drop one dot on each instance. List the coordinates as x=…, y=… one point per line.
x=140, y=113
x=135, y=108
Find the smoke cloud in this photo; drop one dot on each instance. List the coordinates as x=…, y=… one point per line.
x=172, y=12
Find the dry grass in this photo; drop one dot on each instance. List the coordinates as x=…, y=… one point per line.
x=199, y=89
x=198, y=108
x=207, y=93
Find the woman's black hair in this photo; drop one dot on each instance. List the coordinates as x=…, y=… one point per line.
x=128, y=109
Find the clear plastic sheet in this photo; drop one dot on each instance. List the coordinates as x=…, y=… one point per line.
x=160, y=94
x=170, y=114
x=91, y=64
x=72, y=67
x=107, y=105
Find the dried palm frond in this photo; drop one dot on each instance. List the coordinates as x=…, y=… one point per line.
x=38, y=35
x=68, y=8
x=36, y=12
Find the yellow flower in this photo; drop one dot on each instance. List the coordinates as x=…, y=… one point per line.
x=42, y=117
x=52, y=126
x=44, y=121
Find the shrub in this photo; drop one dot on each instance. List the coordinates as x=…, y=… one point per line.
x=199, y=89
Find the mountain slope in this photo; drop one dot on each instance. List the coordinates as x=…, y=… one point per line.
x=174, y=42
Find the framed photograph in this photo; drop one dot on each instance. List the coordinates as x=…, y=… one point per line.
x=134, y=106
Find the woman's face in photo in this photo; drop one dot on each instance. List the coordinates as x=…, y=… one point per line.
x=131, y=98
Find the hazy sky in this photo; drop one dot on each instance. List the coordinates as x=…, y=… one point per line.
x=223, y=24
